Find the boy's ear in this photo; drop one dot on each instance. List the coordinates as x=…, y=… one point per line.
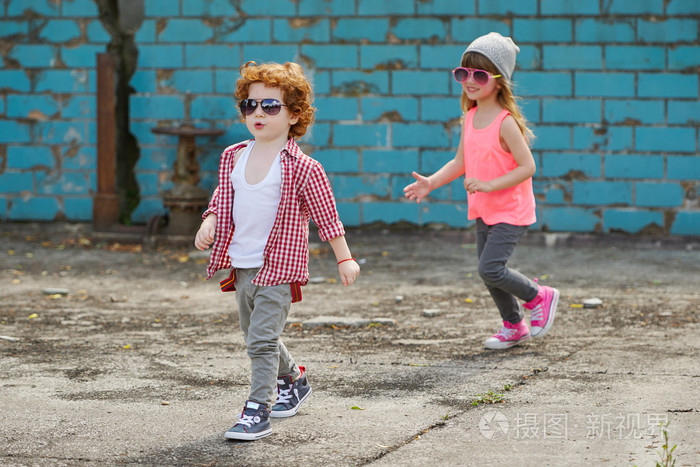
x=293, y=119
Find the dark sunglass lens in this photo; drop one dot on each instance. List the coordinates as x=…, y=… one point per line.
x=461, y=75
x=271, y=106
x=248, y=106
x=481, y=77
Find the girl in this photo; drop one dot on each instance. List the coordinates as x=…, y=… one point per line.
x=495, y=157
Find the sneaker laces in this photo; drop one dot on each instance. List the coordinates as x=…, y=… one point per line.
x=537, y=313
x=283, y=395
x=246, y=420
x=506, y=333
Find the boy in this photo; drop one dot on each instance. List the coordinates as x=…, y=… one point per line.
x=258, y=222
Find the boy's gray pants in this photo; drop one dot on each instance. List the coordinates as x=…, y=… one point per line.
x=263, y=313
x=494, y=245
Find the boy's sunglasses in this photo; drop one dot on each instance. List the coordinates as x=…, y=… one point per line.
x=269, y=106
x=481, y=77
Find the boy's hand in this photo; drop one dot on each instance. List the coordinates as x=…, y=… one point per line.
x=348, y=270
x=418, y=189
x=205, y=235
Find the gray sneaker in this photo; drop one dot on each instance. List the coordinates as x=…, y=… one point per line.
x=290, y=395
x=253, y=424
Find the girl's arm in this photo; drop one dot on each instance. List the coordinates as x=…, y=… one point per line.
x=348, y=270
x=515, y=144
x=447, y=173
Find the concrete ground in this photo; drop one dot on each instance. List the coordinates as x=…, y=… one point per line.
x=140, y=361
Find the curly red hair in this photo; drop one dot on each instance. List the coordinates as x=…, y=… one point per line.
x=296, y=89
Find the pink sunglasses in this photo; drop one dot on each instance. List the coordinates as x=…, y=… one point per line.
x=481, y=77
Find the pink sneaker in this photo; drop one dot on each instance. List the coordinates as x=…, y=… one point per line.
x=508, y=336
x=542, y=310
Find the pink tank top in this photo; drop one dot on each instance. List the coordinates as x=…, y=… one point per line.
x=485, y=159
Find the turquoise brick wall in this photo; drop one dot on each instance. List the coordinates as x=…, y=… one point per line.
x=611, y=88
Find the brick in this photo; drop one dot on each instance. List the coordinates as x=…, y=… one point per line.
x=562, y=164
x=208, y=8
x=3, y=208
x=320, y=80
x=349, y=214
x=529, y=58
x=193, y=81
x=403, y=108
x=319, y=135
x=147, y=32
x=360, y=29
x=336, y=108
x=447, y=8
x=144, y=81
x=634, y=7
x=360, y=135
x=387, y=56
x=33, y=209
x=568, y=7
x=60, y=132
x=598, y=138
x=21, y=105
x=634, y=111
x=604, y=30
x=15, y=80
x=683, y=58
x=530, y=108
x=146, y=209
x=634, y=166
x=158, y=107
x=41, y=7
x=30, y=157
x=77, y=209
x=542, y=30
x=571, y=110
x=338, y=160
x=507, y=7
x=326, y=8
x=547, y=83
x=80, y=107
x=349, y=187
x=569, y=219
x=467, y=29
x=195, y=30
x=681, y=7
x=575, y=57
x=33, y=56
x=683, y=168
x=11, y=28
x=659, y=194
x=666, y=139
x=167, y=56
x=160, y=158
x=385, y=7
x=213, y=107
x=60, y=30
x=65, y=183
x=79, y=8
x=440, y=56
x=85, y=159
x=667, y=85
x=389, y=161
x=269, y=7
x=331, y=56
x=554, y=195
x=96, y=33
x=452, y=215
x=16, y=182
x=631, y=221
x=83, y=56
x=150, y=184
x=552, y=137
x=163, y=7
x=599, y=84
x=416, y=82
x=420, y=28
x=630, y=57
x=285, y=30
x=62, y=81
x=425, y=135
x=271, y=53
x=357, y=82
x=440, y=109
x=602, y=192
x=432, y=160
x=668, y=30
x=686, y=223
x=14, y=132
x=142, y=131
x=390, y=213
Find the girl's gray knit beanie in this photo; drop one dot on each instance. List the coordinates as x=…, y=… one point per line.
x=500, y=50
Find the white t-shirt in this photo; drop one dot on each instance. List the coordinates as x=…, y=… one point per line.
x=254, y=212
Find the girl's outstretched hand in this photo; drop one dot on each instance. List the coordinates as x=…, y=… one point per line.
x=418, y=189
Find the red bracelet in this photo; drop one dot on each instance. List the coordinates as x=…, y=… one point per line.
x=349, y=259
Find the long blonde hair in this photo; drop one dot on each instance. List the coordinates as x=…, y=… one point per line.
x=506, y=98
